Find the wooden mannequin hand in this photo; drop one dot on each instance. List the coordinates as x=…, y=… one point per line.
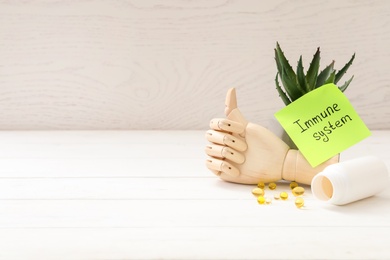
x=248, y=153
x=241, y=151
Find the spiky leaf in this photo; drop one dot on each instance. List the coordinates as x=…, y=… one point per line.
x=284, y=64
x=297, y=84
x=278, y=64
x=341, y=72
x=312, y=72
x=301, y=79
x=331, y=77
x=324, y=75
x=282, y=94
x=346, y=84
x=290, y=85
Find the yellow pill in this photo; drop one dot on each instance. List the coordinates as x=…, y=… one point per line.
x=284, y=195
x=293, y=185
x=299, y=202
x=261, y=200
x=268, y=201
x=298, y=191
x=261, y=185
x=276, y=196
x=258, y=192
x=272, y=186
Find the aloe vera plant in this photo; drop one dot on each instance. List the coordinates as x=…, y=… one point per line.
x=297, y=84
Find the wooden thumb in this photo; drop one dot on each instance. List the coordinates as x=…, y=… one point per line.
x=231, y=101
x=231, y=110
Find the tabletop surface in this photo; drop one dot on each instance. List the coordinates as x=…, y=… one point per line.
x=148, y=195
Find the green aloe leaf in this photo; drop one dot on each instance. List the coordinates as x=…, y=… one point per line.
x=346, y=84
x=324, y=75
x=301, y=79
x=282, y=94
x=295, y=83
x=341, y=72
x=284, y=64
x=312, y=72
x=291, y=85
x=331, y=77
x=278, y=63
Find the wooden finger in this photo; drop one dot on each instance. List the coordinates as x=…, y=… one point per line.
x=222, y=166
x=227, y=125
x=225, y=152
x=226, y=139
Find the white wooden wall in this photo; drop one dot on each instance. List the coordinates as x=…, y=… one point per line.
x=166, y=64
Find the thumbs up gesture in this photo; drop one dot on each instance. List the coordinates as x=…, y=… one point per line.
x=243, y=152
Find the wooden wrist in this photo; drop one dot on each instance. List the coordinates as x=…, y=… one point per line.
x=297, y=168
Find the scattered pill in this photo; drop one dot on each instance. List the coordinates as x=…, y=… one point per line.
x=261, y=185
x=261, y=200
x=258, y=192
x=276, y=196
x=293, y=185
x=284, y=195
x=268, y=201
x=298, y=191
x=272, y=186
x=299, y=202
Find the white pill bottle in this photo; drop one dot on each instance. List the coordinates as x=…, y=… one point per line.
x=352, y=180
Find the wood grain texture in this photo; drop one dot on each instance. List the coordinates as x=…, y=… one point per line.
x=148, y=195
x=261, y=242
x=153, y=64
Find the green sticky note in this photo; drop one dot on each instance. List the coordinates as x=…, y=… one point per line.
x=322, y=123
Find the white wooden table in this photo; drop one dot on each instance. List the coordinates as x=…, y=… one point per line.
x=148, y=195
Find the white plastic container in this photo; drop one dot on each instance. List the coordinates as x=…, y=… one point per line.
x=352, y=180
